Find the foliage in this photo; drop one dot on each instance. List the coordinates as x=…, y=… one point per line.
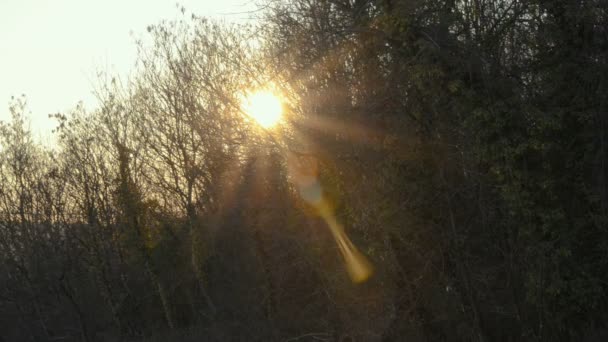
x=461, y=143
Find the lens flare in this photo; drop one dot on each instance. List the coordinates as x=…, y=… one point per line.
x=305, y=177
x=264, y=107
x=358, y=266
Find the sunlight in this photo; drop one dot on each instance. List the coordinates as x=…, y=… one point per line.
x=264, y=107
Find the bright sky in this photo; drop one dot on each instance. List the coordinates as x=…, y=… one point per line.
x=50, y=49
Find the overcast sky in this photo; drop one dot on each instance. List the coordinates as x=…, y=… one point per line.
x=50, y=49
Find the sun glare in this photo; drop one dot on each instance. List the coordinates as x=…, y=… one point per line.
x=264, y=107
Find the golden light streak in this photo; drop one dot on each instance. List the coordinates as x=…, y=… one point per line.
x=358, y=267
x=305, y=175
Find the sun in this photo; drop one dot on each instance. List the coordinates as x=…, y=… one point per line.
x=264, y=107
